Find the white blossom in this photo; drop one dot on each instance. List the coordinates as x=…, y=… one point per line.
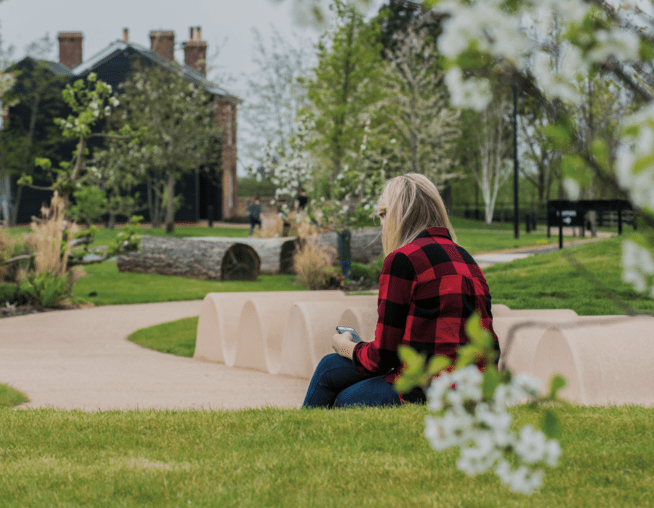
x=481, y=457
x=638, y=266
x=531, y=445
x=474, y=93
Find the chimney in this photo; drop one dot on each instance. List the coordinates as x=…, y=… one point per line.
x=125, y=34
x=70, y=48
x=195, y=51
x=163, y=43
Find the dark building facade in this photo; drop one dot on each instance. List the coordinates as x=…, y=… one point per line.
x=215, y=187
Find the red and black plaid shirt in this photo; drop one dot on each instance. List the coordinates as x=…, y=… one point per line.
x=427, y=290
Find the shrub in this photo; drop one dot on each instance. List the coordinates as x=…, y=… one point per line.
x=8, y=293
x=47, y=239
x=7, y=244
x=46, y=289
x=313, y=263
x=361, y=272
x=376, y=266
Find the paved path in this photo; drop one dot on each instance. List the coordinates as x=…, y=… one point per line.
x=80, y=359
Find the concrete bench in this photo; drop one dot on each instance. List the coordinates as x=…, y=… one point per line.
x=606, y=359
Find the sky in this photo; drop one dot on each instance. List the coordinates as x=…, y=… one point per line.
x=225, y=23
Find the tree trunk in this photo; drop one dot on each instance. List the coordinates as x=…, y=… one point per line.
x=365, y=244
x=219, y=259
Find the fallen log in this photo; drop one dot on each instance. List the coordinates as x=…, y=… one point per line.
x=220, y=259
x=365, y=244
x=275, y=254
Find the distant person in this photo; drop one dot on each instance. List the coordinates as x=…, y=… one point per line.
x=254, y=210
x=301, y=201
x=428, y=288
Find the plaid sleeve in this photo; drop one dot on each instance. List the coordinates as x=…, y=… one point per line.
x=396, y=285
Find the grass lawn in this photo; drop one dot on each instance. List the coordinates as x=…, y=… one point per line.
x=10, y=397
x=175, y=337
x=315, y=458
x=550, y=281
x=106, y=236
x=113, y=287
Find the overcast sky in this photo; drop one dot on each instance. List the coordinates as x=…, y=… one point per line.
x=225, y=23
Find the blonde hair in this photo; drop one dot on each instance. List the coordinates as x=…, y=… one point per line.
x=410, y=204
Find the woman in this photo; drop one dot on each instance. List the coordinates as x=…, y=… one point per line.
x=428, y=287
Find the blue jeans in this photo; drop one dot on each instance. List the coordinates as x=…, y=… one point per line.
x=336, y=383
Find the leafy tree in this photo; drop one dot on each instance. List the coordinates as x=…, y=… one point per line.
x=344, y=89
x=115, y=170
x=90, y=102
x=397, y=17
x=178, y=128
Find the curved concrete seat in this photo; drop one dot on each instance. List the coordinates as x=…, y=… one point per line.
x=308, y=331
x=603, y=364
x=518, y=356
x=219, y=319
x=363, y=319
x=258, y=342
x=499, y=309
x=503, y=311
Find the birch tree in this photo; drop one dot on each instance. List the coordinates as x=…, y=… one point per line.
x=492, y=168
x=275, y=93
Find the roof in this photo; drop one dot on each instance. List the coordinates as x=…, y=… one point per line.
x=189, y=73
x=54, y=67
x=57, y=68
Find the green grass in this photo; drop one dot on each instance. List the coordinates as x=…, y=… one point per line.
x=550, y=281
x=10, y=397
x=291, y=457
x=476, y=242
x=174, y=337
x=113, y=287
x=106, y=236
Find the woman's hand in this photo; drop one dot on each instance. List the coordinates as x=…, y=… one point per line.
x=343, y=345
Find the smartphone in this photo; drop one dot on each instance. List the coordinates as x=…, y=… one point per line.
x=355, y=335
